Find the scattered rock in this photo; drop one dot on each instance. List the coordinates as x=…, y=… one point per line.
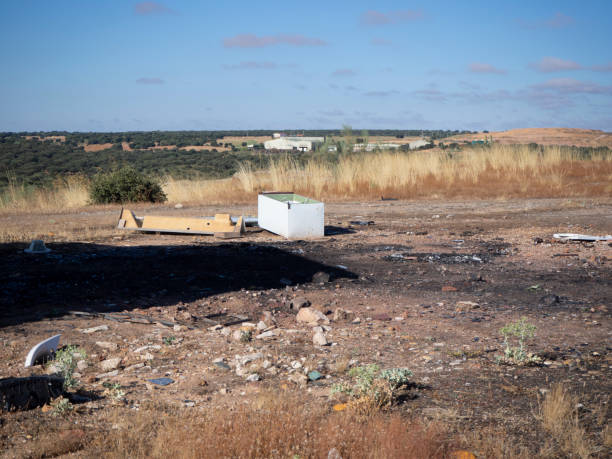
x=254, y=377
x=311, y=316
x=110, y=364
x=333, y=454
x=319, y=339
x=266, y=335
x=109, y=374
x=82, y=365
x=95, y=329
x=343, y=314
x=134, y=367
x=463, y=306
x=107, y=345
x=549, y=300
x=320, y=277
x=221, y=364
x=261, y=325
x=298, y=303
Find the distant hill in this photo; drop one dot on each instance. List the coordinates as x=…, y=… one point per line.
x=544, y=136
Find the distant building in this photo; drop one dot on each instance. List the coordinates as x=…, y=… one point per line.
x=417, y=144
x=278, y=135
x=294, y=143
x=375, y=146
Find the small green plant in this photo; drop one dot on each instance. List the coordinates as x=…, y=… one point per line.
x=114, y=390
x=61, y=406
x=66, y=362
x=373, y=388
x=125, y=185
x=169, y=340
x=246, y=336
x=520, y=331
x=396, y=377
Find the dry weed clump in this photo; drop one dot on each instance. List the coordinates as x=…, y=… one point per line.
x=65, y=193
x=559, y=416
x=276, y=428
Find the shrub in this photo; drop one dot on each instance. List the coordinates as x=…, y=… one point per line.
x=66, y=362
x=374, y=389
x=125, y=185
x=521, y=331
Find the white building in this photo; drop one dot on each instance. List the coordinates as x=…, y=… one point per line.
x=417, y=144
x=294, y=143
x=375, y=146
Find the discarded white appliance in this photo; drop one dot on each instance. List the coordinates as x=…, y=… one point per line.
x=291, y=215
x=581, y=237
x=37, y=246
x=42, y=349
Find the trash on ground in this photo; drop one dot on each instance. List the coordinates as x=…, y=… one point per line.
x=220, y=226
x=581, y=237
x=30, y=392
x=37, y=246
x=314, y=375
x=362, y=222
x=290, y=215
x=43, y=349
x=161, y=381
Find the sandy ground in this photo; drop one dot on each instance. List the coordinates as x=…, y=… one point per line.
x=427, y=286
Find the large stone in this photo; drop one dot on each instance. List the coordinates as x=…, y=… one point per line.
x=110, y=364
x=311, y=316
x=319, y=339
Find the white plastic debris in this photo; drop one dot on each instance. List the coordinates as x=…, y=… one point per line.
x=46, y=347
x=291, y=215
x=37, y=246
x=581, y=237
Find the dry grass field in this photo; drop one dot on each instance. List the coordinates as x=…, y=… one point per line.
x=543, y=136
x=500, y=172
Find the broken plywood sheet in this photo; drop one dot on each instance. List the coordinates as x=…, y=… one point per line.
x=220, y=224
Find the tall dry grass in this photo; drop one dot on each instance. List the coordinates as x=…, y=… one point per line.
x=280, y=427
x=500, y=171
x=65, y=193
x=558, y=414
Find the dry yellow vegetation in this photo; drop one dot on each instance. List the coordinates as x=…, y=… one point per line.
x=501, y=171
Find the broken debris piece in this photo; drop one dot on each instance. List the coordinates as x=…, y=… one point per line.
x=43, y=349
x=161, y=381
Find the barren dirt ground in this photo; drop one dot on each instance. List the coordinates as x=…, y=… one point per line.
x=427, y=285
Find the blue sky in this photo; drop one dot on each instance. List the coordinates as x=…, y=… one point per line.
x=116, y=65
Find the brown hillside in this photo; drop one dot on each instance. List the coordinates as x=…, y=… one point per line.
x=545, y=136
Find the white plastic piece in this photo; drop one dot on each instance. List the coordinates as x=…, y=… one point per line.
x=37, y=246
x=581, y=237
x=43, y=348
x=291, y=215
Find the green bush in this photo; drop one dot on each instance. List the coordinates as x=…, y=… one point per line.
x=125, y=185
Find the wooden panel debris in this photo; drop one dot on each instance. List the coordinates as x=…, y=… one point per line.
x=222, y=224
